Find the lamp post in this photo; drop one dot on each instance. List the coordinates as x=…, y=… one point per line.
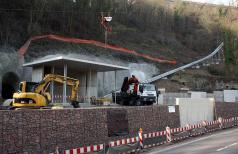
x=104, y=22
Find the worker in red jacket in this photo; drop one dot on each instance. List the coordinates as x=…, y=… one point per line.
x=135, y=81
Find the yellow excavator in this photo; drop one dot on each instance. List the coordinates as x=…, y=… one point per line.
x=34, y=95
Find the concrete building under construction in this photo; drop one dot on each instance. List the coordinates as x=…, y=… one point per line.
x=84, y=70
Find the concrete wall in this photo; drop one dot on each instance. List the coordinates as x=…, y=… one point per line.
x=170, y=98
x=40, y=131
x=198, y=94
x=195, y=110
x=217, y=95
x=106, y=81
x=37, y=74
x=91, y=84
x=230, y=95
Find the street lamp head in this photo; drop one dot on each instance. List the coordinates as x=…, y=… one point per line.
x=108, y=19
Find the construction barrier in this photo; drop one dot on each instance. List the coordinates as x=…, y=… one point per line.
x=155, y=139
x=148, y=140
x=195, y=130
x=124, y=145
x=86, y=149
x=212, y=126
x=179, y=133
x=25, y=47
x=141, y=138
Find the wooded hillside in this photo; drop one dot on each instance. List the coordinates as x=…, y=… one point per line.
x=172, y=30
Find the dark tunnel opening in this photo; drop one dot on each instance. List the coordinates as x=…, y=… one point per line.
x=10, y=82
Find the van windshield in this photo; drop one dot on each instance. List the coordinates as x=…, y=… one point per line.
x=149, y=87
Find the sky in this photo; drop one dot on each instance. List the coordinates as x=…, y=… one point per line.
x=224, y=2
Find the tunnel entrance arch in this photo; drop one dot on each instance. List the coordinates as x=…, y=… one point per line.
x=10, y=82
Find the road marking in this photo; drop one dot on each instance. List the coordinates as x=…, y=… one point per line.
x=226, y=147
x=187, y=143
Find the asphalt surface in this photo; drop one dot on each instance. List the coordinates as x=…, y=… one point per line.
x=224, y=142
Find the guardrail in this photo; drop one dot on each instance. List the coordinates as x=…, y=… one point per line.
x=168, y=136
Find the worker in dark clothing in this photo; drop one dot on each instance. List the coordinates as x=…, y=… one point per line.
x=125, y=85
x=135, y=81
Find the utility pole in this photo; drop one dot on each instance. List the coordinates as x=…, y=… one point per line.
x=105, y=38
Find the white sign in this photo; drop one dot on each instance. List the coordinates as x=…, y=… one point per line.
x=171, y=109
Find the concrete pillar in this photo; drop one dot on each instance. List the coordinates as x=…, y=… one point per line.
x=91, y=89
x=37, y=74
x=89, y=85
x=65, y=85
x=115, y=88
x=0, y=87
x=103, y=83
x=86, y=86
x=52, y=85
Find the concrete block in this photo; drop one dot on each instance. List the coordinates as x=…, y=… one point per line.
x=230, y=95
x=198, y=94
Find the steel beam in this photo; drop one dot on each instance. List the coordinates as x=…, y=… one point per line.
x=65, y=85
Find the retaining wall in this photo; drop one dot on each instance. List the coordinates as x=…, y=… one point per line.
x=226, y=110
x=41, y=131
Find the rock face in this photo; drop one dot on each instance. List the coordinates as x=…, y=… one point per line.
x=41, y=131
x=10, y=71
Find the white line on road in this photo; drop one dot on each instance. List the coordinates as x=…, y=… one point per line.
x=187, y=143
x=226, y=147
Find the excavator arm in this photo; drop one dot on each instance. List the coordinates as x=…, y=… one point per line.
x=43, y=85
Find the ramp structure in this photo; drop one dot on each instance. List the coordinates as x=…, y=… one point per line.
x=216, y=57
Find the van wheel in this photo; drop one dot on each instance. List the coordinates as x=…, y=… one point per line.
x=75, y=104
x=131, y=103
x=121, y=103
x=149, y=103
x=138, y=103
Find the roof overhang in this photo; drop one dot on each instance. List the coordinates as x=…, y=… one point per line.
x=75, y=63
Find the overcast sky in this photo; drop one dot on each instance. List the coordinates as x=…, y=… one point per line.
x=225, y=2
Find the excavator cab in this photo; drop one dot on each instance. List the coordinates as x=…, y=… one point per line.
x=27, y=86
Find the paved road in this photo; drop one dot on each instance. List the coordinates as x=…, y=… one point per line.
x=224, y=142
